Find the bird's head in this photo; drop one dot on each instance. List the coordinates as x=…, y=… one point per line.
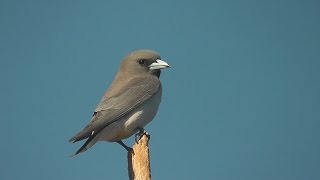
x=143, y=62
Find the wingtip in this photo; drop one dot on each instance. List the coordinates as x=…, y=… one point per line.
x=72, y=140
x=82, y=149
x=73, y=155
x=78, y=152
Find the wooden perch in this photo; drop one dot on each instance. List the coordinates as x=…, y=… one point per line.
x=139, y=160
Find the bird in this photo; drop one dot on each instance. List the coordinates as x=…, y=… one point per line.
x=131, y=101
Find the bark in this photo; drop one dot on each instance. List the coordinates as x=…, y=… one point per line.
x=139, y=160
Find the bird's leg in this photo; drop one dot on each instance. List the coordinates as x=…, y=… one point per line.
x=139, y=135
x=129, y=149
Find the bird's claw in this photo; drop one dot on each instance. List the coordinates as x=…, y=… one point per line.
x=139, y=135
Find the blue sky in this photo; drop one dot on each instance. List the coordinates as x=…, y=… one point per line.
x=241, y=100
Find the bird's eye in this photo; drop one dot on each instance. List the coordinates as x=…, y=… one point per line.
x=141, y=61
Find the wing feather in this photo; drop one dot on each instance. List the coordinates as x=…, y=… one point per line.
x=110, y=109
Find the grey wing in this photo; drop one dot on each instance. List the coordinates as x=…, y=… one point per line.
x=109, y=110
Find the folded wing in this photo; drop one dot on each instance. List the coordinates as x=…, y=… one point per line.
x=111, y=109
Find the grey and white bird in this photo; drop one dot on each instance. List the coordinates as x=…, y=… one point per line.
x=129, y=104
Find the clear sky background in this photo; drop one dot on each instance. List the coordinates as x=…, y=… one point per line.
x=240, y=102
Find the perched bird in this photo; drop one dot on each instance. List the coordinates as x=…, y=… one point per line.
x=129, y=104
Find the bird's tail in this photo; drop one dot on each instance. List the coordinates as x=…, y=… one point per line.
x=88, y=144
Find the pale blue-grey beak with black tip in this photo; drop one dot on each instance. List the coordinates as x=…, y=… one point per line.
x=130, y=103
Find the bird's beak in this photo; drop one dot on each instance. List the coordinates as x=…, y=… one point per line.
x=159, y=64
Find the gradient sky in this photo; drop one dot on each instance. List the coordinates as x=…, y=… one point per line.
x=241, y=101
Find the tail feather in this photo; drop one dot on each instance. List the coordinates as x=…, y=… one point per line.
x=89, y=143
x=78, y=137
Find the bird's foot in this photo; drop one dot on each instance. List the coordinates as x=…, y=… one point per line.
x=129, y=149
x=141, y=132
